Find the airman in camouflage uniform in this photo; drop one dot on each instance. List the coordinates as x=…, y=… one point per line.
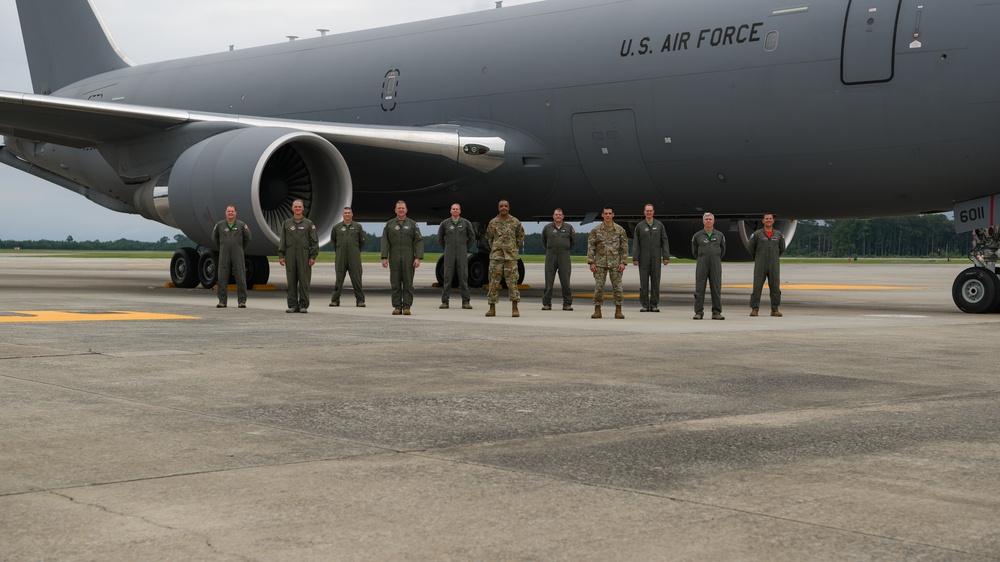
x=402, y=250
x=348, y=239
x=456, y=236
x=297, y=251
x=232, y=237
x=708, y=246
x=607, y=254
x=766, y=246
x=505, y=236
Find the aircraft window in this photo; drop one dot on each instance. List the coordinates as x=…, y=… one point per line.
x=771, y=41
x=389, y=90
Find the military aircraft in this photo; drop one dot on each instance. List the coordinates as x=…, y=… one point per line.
x=834, y=109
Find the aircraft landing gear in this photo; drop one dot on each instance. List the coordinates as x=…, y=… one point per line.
x=188, y=269
x=258, y=270
x=208, y=268
x=977, y=289
x=479, y=272
x=439, y=274
x=184, y=268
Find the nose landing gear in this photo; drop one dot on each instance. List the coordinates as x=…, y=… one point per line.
x=977, y=289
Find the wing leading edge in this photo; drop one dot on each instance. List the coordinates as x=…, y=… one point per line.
x=85, y=124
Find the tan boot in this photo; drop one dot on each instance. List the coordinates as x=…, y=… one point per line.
x=492, y=311
x=513, y=309
x=618, y=312
x=597, y=311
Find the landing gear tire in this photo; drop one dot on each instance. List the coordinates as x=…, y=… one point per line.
x=258, y=270
x=439, y=274
x=976, y=290
x=208, y=269
x=520, y=275
x=184, y=268
x=479, y=270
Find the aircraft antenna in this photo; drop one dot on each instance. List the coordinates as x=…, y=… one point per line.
x=323, y=32
x=292, y=37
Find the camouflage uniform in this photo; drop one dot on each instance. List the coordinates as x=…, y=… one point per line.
x=766, y=251
x=456, y=238
x=708, y=248
x=650, y=247
x=299, y=243
x=504, y=237
x=607, y=248
x=558, y=242
x=231, y=240
x=401, y=244
x=348, y=240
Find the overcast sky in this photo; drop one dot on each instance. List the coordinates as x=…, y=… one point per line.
x=155, y=31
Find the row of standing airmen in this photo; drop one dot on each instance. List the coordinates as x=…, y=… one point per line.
x=402, y=251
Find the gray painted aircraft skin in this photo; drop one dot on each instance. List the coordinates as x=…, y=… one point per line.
x=829, y=109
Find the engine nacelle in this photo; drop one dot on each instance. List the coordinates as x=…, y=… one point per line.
x=260, y=170
x=745, y=228
x=679, y=233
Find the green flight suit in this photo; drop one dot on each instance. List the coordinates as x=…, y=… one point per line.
x=232, y=240
x=348, y=240
x=766, y=251
x=457, y=239
x=401, y=244
x=708, y=249
x=650, y=247
x=558, y=242
x=298, y=244
x=505, y=238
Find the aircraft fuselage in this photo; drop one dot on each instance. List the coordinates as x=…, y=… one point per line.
x=834, y=109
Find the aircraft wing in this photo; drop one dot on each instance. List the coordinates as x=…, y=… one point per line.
x=84, y=123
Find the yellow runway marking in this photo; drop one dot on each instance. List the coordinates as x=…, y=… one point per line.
x=789, y=287
x=84, y=316
x=819, y=287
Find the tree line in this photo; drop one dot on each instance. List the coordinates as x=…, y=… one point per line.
x=919, y=236
x=122, y=244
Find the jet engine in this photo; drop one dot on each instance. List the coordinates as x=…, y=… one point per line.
x=260, y=170
x=737, y=234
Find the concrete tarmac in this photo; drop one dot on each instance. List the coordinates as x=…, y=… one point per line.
x=863, y=425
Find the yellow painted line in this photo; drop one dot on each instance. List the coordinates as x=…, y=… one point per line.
x=820, y=287
x=608, y=294
x=12, y=316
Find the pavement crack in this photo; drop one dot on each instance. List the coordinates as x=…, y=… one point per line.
x=207, y=540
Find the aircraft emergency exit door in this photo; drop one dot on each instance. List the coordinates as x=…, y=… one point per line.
x=869, y=40
x=608, y=147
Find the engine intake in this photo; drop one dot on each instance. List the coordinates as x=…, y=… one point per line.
x=261, y=171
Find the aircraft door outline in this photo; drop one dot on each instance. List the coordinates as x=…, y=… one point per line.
x=607, y=144
x=869, y=43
